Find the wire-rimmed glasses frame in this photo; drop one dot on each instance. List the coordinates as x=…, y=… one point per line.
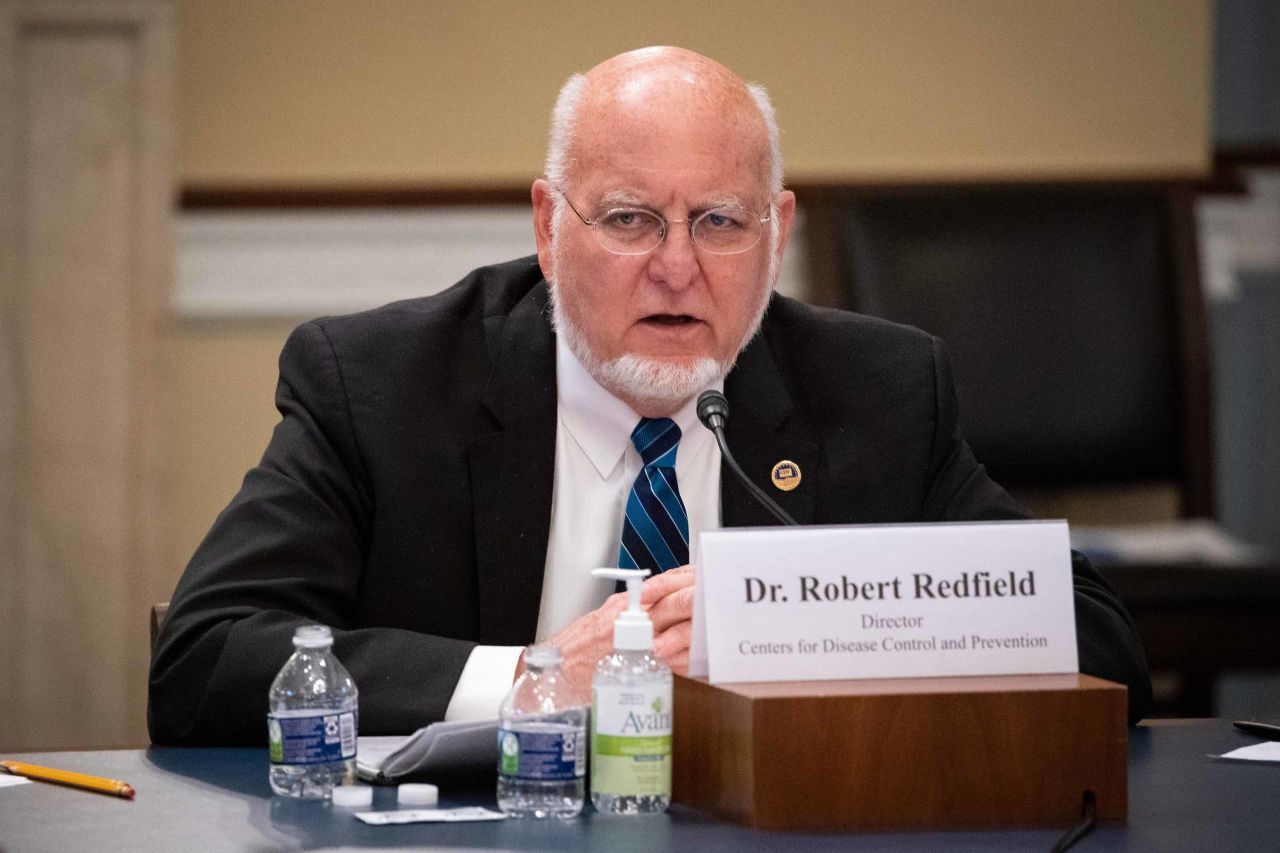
x=725, y=230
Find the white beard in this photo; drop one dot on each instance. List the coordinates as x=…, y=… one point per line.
x=658, y=386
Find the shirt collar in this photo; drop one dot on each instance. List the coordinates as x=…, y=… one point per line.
x=599, y=422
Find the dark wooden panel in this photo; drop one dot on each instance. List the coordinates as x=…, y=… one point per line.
x=919, y=753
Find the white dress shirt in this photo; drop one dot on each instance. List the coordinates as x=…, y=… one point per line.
x=595, y=467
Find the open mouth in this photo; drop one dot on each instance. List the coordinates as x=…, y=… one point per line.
x=670, y=319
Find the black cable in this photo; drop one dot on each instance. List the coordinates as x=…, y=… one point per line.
x=713, y=412
x=756, y=492
x=1088, y=820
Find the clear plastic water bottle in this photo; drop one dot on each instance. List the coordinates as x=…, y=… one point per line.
x=542, y=741
x=311, y=719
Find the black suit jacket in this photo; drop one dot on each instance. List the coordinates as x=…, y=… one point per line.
x=405, y=496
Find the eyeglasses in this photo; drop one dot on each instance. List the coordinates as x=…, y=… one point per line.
x=728, y=230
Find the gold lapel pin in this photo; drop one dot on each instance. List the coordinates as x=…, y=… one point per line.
x=786, y=475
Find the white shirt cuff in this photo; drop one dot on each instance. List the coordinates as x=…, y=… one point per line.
x=484, y=683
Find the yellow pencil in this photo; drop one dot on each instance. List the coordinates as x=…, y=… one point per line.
x=113, y=787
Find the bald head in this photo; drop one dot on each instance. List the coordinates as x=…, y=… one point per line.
x=660, y=134
x=655, y=92
x=632, y=81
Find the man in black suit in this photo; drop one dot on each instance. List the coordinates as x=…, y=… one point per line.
x=447, y=469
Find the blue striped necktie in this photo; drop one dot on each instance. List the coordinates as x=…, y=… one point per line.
x=655, y=532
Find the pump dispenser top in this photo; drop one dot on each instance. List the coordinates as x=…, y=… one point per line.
x=632, y=630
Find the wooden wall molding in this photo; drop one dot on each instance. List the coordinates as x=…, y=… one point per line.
x=294, y=263
x=85, y=259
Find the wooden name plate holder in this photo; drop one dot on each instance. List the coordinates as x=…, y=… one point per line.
x=902, y=753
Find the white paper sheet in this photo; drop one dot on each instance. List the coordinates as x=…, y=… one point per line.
x=1266, y=751
x=462, y=815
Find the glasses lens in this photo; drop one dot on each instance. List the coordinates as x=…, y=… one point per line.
x=727, y=230
x=629, y=232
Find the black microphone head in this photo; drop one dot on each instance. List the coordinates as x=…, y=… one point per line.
x=713, y=409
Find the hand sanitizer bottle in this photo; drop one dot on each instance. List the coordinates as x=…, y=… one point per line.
x=631, y=714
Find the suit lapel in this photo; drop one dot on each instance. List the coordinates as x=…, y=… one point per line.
x=513, y=468
x=764, y=428
x=512, y=472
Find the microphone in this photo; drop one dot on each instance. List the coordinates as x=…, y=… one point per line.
x=713, y=411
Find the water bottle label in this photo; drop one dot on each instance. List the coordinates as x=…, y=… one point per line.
x=541, y=755
x=312, y=738
x=631, y=740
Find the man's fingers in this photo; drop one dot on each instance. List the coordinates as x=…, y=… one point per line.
x=679, y=663
x=664, y=584
x=583, y=642
x=674, y=640
x=675, y=607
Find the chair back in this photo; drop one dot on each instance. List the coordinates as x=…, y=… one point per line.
x=1072, y=316
x=158, y=613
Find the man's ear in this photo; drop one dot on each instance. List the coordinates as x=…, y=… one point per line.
x=543, y=209
x=786, y=207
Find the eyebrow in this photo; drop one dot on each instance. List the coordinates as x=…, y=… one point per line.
x=628, y=198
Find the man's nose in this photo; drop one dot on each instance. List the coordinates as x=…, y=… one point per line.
x=675, y=261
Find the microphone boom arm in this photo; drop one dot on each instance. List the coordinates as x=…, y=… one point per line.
x=756, y=492
x=713, y=411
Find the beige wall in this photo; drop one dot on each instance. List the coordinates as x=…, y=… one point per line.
x=319, y=92
x=400, y=92
x=457, y=91
x=219, y=381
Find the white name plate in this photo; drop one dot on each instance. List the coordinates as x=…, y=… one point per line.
x=896, y=601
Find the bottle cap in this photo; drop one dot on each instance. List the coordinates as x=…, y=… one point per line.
x=543, y=655
x=353, y=796
x=418, y=795
x=312, y=637
x=632, y=630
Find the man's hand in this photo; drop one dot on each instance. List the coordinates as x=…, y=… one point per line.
x=667, y=597
x=669, y=600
